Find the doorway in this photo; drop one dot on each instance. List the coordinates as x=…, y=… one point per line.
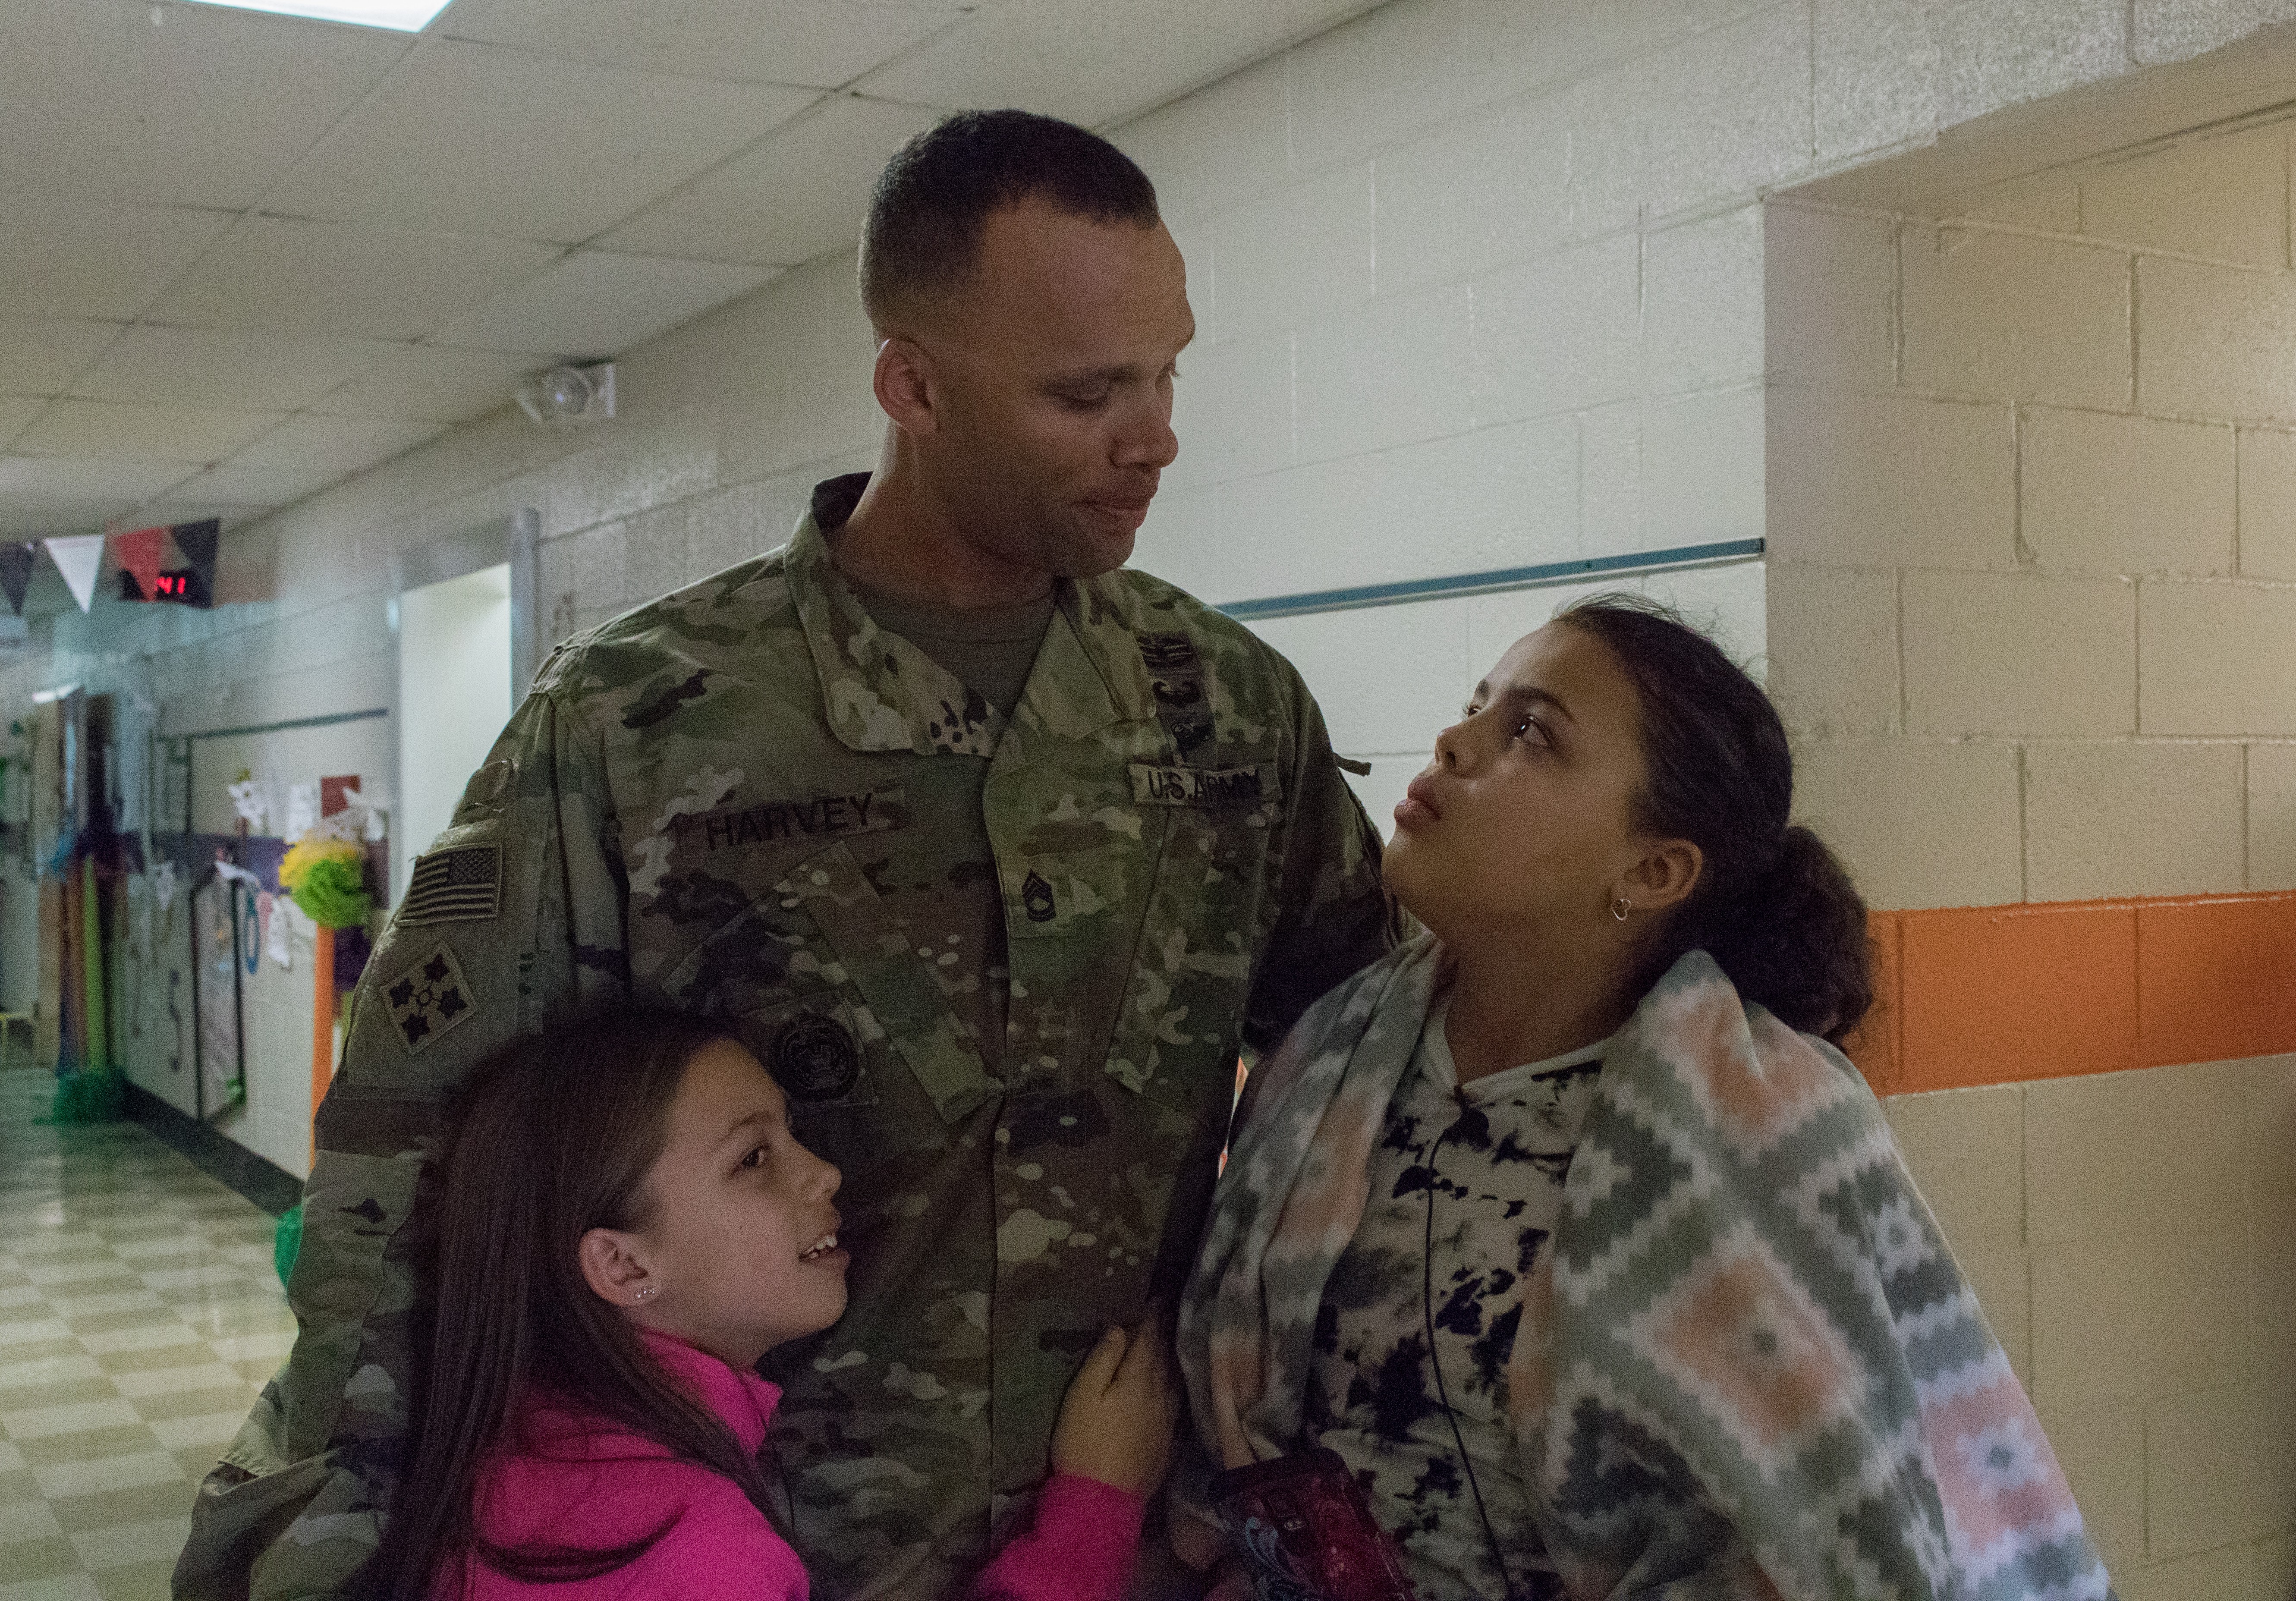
x=455, y=673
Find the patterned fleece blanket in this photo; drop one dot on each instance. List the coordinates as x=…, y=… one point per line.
x=1747, y=1364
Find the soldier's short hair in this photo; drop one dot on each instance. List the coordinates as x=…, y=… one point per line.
x=923, y=235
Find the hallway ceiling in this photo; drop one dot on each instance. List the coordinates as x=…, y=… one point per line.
x=243, y=256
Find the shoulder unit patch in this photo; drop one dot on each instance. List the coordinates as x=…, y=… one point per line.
x=429, y=998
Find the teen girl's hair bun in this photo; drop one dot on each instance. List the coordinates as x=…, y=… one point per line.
x=1773, y=906
x=1794, y=938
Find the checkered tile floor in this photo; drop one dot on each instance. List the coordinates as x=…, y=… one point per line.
x=139, y=1314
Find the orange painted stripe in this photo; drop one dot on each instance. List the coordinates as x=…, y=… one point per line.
x=2216, y=979
x=323, y=1024
x=1997, y=995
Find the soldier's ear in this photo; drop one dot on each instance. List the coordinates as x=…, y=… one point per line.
x=615, y=1267
x=905, y=382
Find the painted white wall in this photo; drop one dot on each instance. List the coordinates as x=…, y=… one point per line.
x=454, y=697
x=275, y=1022
x=1389, y=678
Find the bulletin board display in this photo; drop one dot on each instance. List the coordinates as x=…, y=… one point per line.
x=277, y=761
x=217, y=978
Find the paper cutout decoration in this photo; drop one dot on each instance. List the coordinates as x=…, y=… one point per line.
x=78, y=557
x=297, y=920
x=15, y=574
x=249, y=803
x=272, y=910
x=140, y=555
x=370, y=808
x=302, y=810
x=343, y=810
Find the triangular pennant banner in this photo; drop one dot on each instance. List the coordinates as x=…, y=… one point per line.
x=140, y=554
x=77, y=558
x=198, y=542
x=15, y=574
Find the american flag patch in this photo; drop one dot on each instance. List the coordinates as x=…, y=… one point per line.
x=460, y=885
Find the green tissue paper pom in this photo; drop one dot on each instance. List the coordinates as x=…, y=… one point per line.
x=287, y=1241
x=333, y=892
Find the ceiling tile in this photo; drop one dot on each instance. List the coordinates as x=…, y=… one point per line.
x=424, y=383
x=595, y=304
x=167, y=508
x=345, y=445
x=76, y=258
x=64, y=495
x=39, y=478
x=801, y=192
x=25, y=521
x=16, y=415
x=234, y=484
x=298, y=277
x=476, y=139
x=41, y=357
x=200, y=367
x=182, y=103
x=1098, y=61
x=823, y=43
x=141, y=433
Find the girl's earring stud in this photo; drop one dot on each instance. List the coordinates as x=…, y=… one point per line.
x=645, y=1292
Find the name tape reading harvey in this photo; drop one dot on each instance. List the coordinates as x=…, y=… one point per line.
x=825, y=816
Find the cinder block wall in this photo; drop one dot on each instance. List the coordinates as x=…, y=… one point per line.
x=2032, y=625
x=2015, y=457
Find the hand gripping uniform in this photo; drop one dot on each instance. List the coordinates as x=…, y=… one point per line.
x=1001, y=967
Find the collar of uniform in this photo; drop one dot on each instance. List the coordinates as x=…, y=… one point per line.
x=883, y=693
x=1089, y=673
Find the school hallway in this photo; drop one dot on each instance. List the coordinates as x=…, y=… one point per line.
x=139, y=1316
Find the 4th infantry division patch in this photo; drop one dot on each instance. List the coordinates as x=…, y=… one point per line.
x=460, y=885
x=429, y=998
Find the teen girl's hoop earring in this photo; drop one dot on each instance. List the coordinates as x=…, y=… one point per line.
x=1620, y=908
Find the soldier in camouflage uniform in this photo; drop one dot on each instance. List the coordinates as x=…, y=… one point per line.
x=1002, y=959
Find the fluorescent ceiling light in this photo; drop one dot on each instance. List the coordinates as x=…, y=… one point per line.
x=402, y=16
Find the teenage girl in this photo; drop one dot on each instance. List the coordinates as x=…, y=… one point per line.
x=623, y=1224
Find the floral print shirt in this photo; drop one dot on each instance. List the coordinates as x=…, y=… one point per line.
x=1486, y=1161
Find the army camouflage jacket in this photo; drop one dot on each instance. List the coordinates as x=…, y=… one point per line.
x=1002, y=970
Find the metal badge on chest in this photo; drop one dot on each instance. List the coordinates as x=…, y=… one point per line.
x=814, y=1058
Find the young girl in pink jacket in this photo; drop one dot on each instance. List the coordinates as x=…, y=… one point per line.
x=623, y=1225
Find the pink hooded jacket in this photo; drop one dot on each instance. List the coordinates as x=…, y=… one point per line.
x=580, y=1481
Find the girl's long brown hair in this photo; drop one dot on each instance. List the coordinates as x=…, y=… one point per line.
x=553, y=1137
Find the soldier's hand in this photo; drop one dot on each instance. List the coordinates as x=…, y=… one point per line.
x=1116, y=1424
